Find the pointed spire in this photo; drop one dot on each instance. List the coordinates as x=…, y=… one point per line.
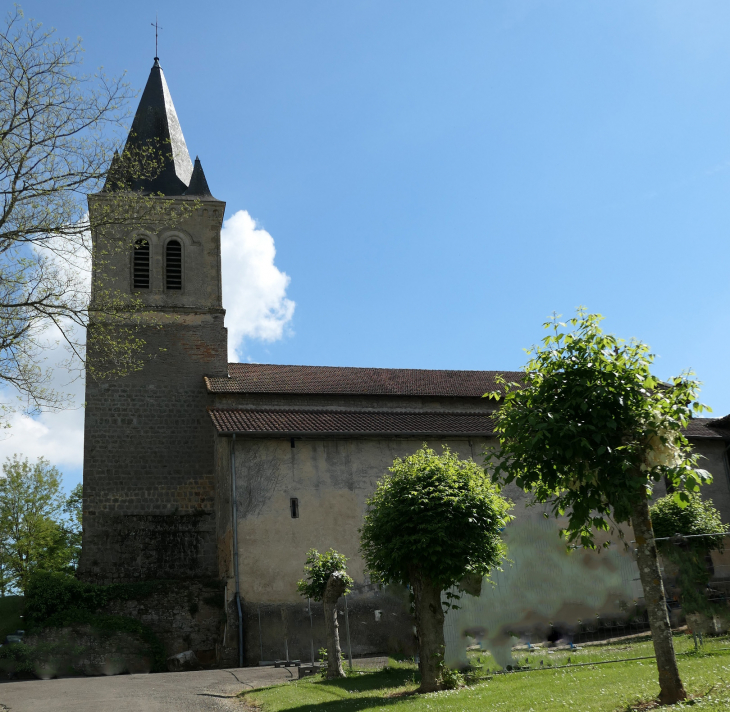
x=198, y=185
x=157, y=127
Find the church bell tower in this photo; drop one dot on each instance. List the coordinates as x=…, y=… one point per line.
x=149, y=487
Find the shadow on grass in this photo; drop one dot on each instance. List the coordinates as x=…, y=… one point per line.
x=382, y=679
x=335, y=695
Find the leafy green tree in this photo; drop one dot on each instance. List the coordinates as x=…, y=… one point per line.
x=697, y=519
x=326, y=579
x=34, y=534
x=73, y=508
x=591, y=431
x=433, y=522
x=6, y=579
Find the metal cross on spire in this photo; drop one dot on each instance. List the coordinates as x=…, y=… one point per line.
x=157, y=29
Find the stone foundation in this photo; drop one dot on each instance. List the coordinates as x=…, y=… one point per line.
x=185, y=615
x=83, y=650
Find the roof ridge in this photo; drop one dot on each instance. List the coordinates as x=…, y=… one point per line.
x=357, y=380
x=372, y=368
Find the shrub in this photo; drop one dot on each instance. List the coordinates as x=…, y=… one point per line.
x=58, y=600
x=317, y=570
x=695, y=517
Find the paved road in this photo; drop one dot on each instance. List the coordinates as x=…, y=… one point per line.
x=202, y=691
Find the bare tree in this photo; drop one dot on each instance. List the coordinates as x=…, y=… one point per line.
x=59, y=130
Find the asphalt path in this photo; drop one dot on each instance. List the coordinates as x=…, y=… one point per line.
x=199, y=691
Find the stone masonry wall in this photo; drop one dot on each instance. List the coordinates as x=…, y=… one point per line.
x=149, y=476
x=81, y=649
x=185, y=616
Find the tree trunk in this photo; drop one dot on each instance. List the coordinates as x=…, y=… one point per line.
x=332, y=592
x=670, y=684
x=429, y=630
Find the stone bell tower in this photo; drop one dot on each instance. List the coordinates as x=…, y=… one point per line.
x=149, y=487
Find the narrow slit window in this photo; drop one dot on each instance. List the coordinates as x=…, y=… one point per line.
x=294, y=507
x=141, y=265
x=173, y=265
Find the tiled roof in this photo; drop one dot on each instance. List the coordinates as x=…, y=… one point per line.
x=350, y=422
x=723, y=422
x=287, y=422
x=708, y=428
x=268, y=378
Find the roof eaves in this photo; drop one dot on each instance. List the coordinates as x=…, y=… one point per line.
x=319, y=434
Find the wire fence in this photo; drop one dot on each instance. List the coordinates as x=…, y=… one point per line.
x=547, y=596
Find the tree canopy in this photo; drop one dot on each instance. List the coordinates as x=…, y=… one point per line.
x=326, y=580
x=438, y=512
x=317, y=570
x=40, y=529
x=688, y=558
x=60, y=130
x=432, y=522
x=589, y=429
x=590, y=432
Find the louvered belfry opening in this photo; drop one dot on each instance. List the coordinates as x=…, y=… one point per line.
x=173, y=265
x=141, y=265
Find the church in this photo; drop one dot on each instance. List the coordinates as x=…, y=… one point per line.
x=217, y=477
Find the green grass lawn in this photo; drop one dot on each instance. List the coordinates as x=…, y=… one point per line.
x=10, y=609
x=603, y=688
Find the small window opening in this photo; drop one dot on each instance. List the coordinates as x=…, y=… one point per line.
x=141, y=265
x=173, y=265
x=294, y=507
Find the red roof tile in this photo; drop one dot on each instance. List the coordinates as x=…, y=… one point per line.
x=350, y=422
x=280, y=421
x=708, y=428
x=268, y=378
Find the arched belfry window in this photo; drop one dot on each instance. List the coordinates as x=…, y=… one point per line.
x=141, y=264
x=173, y=265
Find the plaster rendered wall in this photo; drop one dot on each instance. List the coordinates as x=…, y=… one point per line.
x=714, y=460
x=331, y=480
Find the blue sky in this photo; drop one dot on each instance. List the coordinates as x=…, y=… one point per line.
x=438, y=177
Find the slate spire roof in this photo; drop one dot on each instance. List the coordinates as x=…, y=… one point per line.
x=156, y=126
x=198, y=185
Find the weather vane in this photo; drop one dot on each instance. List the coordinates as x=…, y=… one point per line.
x=157, y=28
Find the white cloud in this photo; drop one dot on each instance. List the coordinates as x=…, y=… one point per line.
x=254, y=294
x=254, y=289
x=56, y=436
